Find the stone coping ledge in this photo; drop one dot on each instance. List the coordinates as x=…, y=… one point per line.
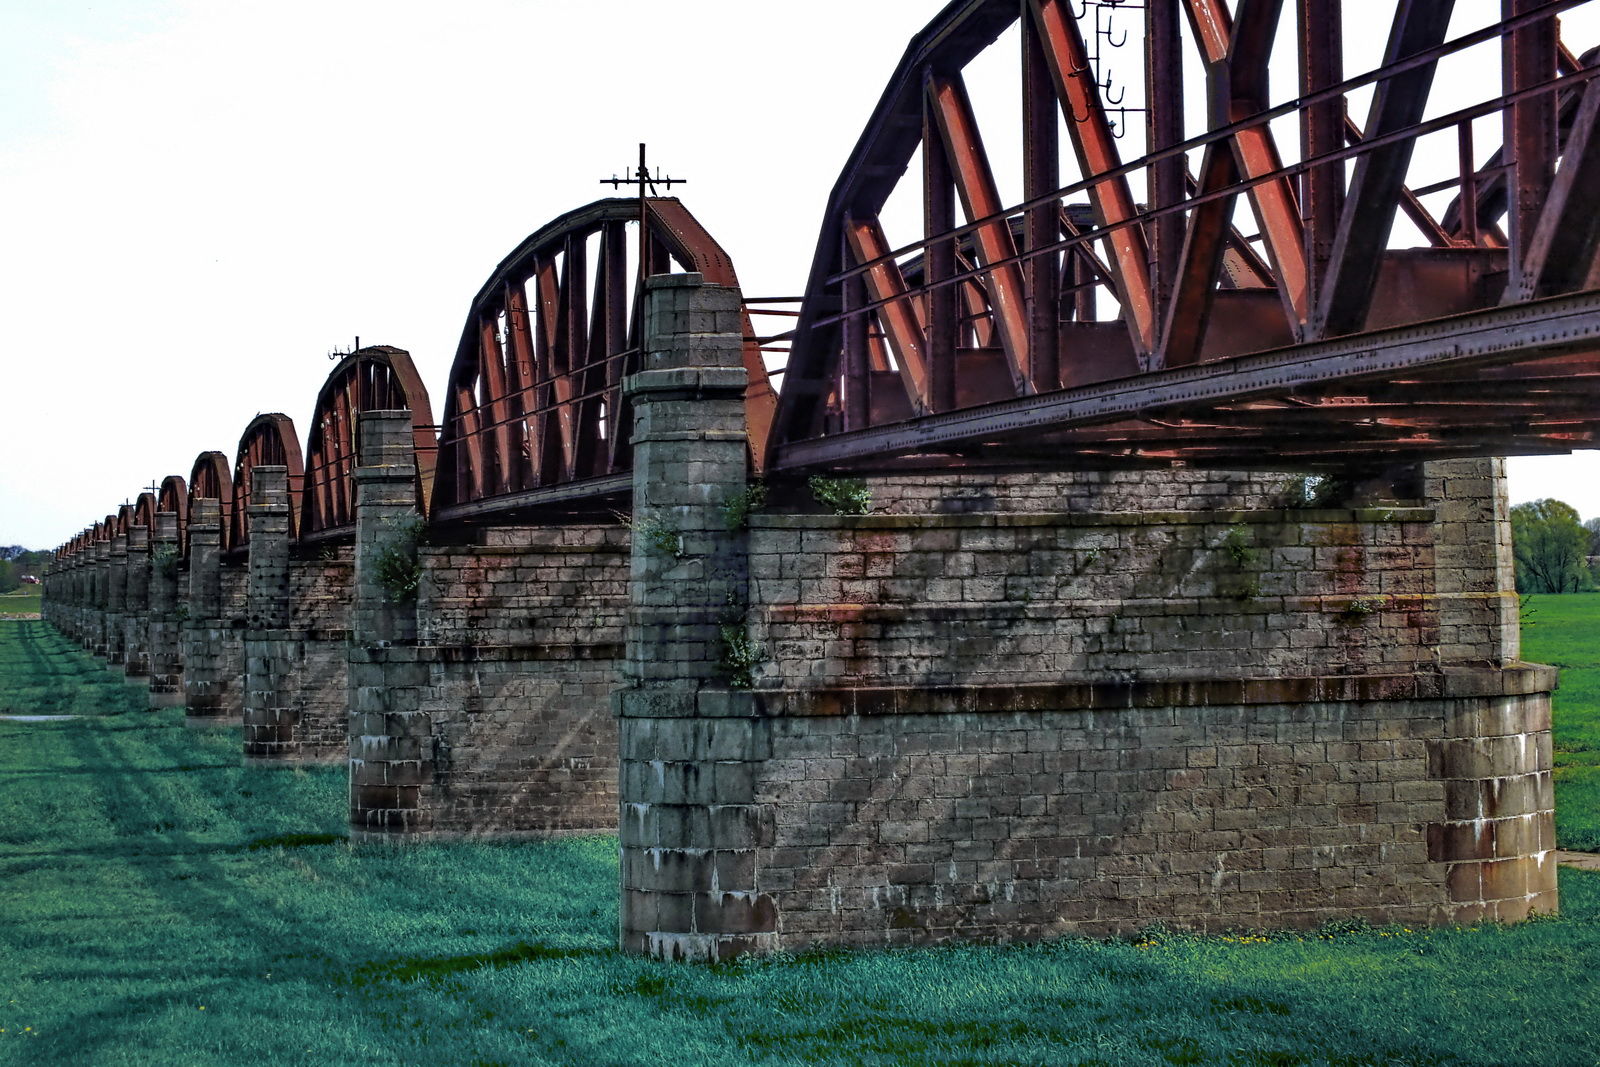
x=471, y=552
x=1023, y=519
x=486, y=653
x=338, y=633
x=1453, y=683
x=1012, y=608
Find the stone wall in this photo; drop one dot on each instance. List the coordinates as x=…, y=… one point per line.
x=1039, y=811
x=1014, y=597
x=523, y=633
x=1073, y=704
x=482, y=707
x=994, y=707
x=305, y=719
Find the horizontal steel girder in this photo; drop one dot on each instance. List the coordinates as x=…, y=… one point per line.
x=1460, y=344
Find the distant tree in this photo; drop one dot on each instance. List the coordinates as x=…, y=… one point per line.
x=8, y=577
x=1550, y=545
x=31, y=562
x=1593, y=526
x=11, y=551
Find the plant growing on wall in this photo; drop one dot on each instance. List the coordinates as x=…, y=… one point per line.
x=740, y=654
x=659, y=536
x=164, y=560
x=1360, y=607
x=736, y=511
x=1236, y=543
x=1316, y=491
x=396, y=566
x=846, y=496
x=1236, y=546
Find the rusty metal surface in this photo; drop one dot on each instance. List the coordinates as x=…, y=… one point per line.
x=1112, y=309
x=534, y=404
x=269, y=441
x=210, y=479
x=1417, y=388
x=173, y=497
x=376, y=378
x=899, y=347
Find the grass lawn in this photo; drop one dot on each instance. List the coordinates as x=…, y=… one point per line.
x=1565, y=631
x=24, y=601
x=164, y=906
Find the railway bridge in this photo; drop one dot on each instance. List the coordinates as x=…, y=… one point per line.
x=1111, y=533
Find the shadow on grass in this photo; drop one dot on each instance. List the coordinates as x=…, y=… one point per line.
x=291, y=841
x=412, y=968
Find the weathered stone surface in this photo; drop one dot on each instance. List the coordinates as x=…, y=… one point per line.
x=995, y=707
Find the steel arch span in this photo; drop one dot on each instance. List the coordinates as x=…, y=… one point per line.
x=269, y=441
x=1117, y=309
x=209, y=479
x=377, y=378
x=534, y=414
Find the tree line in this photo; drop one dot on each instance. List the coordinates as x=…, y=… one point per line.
x=16, y=561
x=1555, y=551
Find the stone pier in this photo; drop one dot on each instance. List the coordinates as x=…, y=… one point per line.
x=211, y=685
x=165, y=627
x=391, y=746
x=116, y=601
x=692, y=739
x=136, y=607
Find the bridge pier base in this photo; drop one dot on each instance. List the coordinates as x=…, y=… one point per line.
x=296, y=702
x=1023, y=707
x=113, y=650
x=210, y=685
x=136, y=617
x=165, y=630
x=691, y=738
x=391, y=745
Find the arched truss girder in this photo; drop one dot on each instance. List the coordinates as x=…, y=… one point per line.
x=173, y=498
x=122, y=521
x=897, y=347
x=210, y=479
x=378, y=378
x=534, y=409
x=269, y=441
x=144, y=511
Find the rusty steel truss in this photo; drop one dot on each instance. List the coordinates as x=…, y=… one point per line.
x=1267, y=280
x=1314, y=341
x=534, y=413
x=377, y=378
x=268, y=441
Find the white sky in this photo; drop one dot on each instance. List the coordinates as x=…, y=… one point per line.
x=199, y=200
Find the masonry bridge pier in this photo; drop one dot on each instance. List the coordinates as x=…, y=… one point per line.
x=1090, y=562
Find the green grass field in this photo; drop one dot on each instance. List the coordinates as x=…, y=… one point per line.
x=1565, y=631
x=24, y=601
x=164, y=906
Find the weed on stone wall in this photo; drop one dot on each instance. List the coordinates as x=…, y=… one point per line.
x=1237, y=547
x=1316, y=491
x=659, y=536
x=1236, y=544
x=396, y=566
x=1361, y=607
x=736, y=511
x=739, y=655
x=846, y=496
x=164, y=561
x=738, y=652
